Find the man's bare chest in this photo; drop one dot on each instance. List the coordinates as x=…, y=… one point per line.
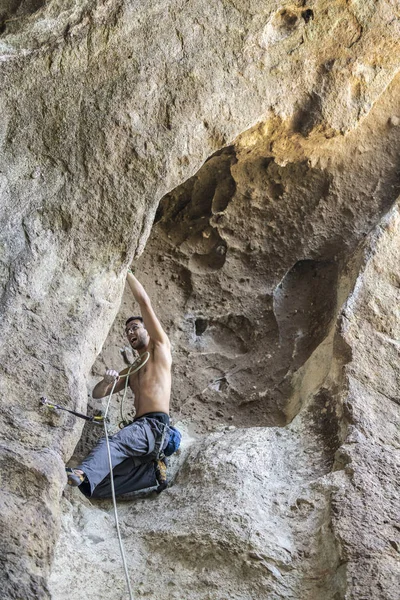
x=142, y=379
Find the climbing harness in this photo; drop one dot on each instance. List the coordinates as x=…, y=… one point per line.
x=140, y=361
x=97, y=420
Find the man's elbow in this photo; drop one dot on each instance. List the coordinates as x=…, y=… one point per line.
x=143, y=300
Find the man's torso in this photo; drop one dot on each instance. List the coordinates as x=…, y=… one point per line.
x=151, y=384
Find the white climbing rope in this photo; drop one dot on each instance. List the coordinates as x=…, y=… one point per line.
x=121, y=546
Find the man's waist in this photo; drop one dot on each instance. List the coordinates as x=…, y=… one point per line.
x=159, y=416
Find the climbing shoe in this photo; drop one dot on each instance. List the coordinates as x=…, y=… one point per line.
x=74, y=477
x=161, y=475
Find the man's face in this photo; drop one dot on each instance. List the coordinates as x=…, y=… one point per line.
x=137, y=334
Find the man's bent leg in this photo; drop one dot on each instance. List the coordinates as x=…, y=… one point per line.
x=135, y=440
x=128, y=478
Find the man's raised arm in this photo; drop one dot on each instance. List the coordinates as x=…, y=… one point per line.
x=151, y=322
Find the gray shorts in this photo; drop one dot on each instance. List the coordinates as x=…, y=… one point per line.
x=133, y=452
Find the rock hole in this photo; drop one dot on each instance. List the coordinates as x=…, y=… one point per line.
x=325, y=423
x=289, y=18
x=219, y=385
x=276, y=190
x=201, y=325
x=308, y=115
x=307, y=15
x=265, y=161
x=223, y=194
x=228, y=336
x=328, y=65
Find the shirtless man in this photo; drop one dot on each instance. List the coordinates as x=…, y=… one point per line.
x=135, y=449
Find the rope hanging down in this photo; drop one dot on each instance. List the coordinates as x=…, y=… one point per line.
x=121, y=546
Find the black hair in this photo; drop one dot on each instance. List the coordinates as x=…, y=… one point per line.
x=133, y=319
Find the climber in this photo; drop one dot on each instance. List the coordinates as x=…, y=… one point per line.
x=136, y=449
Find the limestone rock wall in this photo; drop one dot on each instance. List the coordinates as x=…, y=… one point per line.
x=366, y=512
x=107, y=106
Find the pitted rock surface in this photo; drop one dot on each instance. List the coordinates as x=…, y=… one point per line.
x=247, y=264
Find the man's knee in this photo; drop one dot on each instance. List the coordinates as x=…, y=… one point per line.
x=134, y=438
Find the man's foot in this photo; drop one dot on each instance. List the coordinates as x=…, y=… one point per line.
x=161, y=475
x=75, y=476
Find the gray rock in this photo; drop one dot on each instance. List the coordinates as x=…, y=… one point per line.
x=110, y=106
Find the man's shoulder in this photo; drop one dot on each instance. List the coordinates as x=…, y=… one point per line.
x=161, y=348
x=164, y=343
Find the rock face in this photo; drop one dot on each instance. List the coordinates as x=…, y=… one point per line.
x=280, y=302
x=236, y=524
x=367, y=511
